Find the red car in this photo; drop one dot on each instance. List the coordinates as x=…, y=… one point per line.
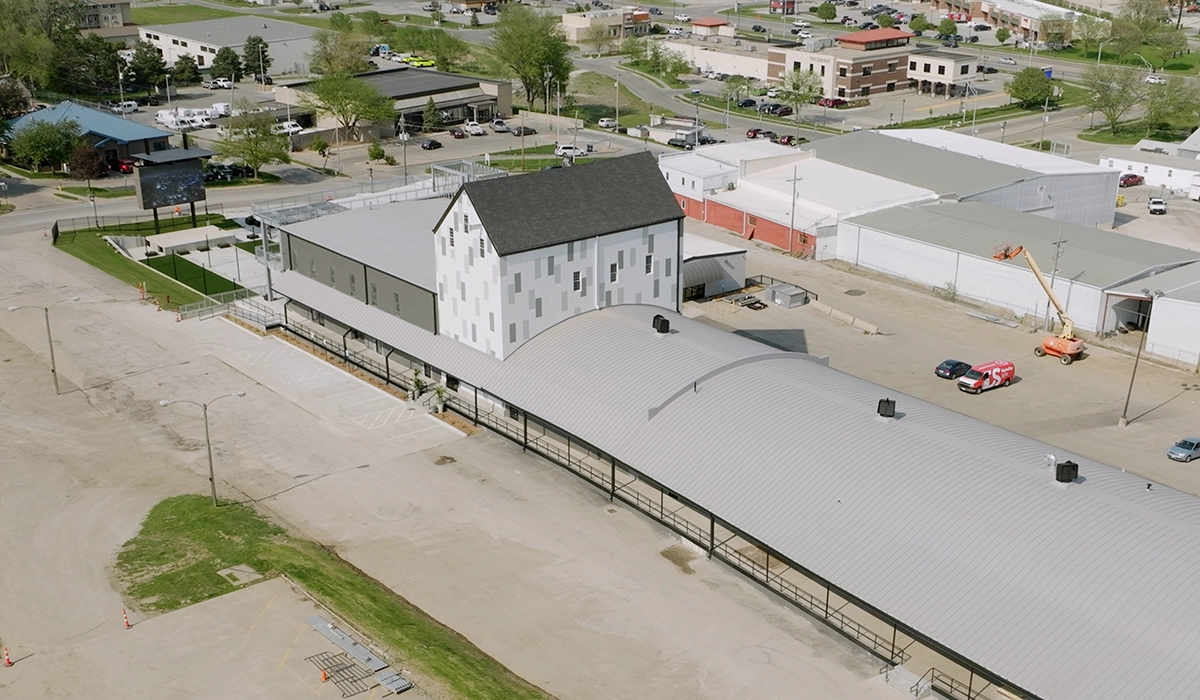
x=831, y=102
x=1131, y=179
x=753, y=133
x=125, y=166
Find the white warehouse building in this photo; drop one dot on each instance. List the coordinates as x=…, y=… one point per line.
x=950, y=246
x=515, y=256
x=1172, y=172
x=288, y=43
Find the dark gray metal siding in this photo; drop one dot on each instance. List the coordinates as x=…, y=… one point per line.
x=305, y=257
x=418, y=306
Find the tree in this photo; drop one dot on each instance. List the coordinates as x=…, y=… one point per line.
x=1089, y=31
x=227, y=64
x=41, y=143
x=321, y=148
x=798, y=89
x=432, y=119
x=253, y=140
x=86, y=164
x=375, y=152
x=532, y=46
x=885, y=21
x=1030, y=87
x=599, y=37
x=14, y=98
x=1126, y=37
x=634, y=48
x=826, y=12
x=87, y=65
x=735, y=85
x=1002, y=34
x=1055, y=30
x=1169, y=42
x=185, y=71
x=408, y=38
x=256, y=56
x=948, y=26
x=146, y=68
x=918, y=23
x=349, y=100
x=1177, y=102
x=374, y=25
x=446, y=49
x=1113, y=91
x=338, y=52
x=1147, y=15
x=341, y=22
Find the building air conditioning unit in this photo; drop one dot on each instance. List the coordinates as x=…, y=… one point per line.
x=887, y=408
x=716, y=39
x=1066, y=472
x=753, y=47
x=736, y=42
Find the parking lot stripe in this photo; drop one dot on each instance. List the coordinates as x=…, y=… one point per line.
x=286, y=654
x=260, y=617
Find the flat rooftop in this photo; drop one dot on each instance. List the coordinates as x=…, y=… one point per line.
x=695, y=247
x=394, y=238
x=993, y=151
x=233, y=31
x=837, y=187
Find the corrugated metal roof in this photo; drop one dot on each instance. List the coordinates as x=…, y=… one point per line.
x=993, y=151
x=91, y=121
x=406, y=82
x=233, y=31
x=1179, y=283
x=950, y=525
x=942, y=171
x=700, y=247
x=395, y=238
x=1122, y=157
x=701, y=271
x=1091, y=256
x=442, y=99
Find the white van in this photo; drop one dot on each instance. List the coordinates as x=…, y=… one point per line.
x=126, y=107
x=221, y=109
x=286, y=128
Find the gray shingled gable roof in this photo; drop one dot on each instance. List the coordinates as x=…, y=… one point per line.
x=570, y=204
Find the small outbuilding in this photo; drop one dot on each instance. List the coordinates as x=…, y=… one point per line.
x=711, y=268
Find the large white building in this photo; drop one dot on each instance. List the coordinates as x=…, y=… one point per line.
x=514, y=256
x=288, y=43
x=1171, y=172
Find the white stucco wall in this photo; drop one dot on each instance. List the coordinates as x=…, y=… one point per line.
x=1175, y=331
x=1172, y=177
x=979, y=279
x=496, y=303
x=752, y=64
x=287, y=56
x=1088, y=199
x=682, y=182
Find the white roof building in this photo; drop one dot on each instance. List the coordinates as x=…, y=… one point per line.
x=288, y=43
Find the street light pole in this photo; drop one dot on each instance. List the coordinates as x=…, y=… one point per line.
x=49, y=338
x=1124, y=421
x=212, y=478
x=792, y=221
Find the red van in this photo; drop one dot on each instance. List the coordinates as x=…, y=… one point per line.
x=987, y=375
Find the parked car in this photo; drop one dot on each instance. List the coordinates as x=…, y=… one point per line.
x=1008, y=61
x=708, y=140
x=758, y=28
x=986, y=70
x=1157, y=205
x=983, y=27
x=607, y=123
x=523, y=131
x=1185, y=450
x=802, y=33
x=474, y=128
x=499, y=126
x=1131, y=180
x=952, y=369
x=767, y=134
x=430, y=144
x=683, y=18
x=675, y=30
x=773, y=92
x=456, y=132
x=124, y=166
x=868, y=25
x=567, y=149
x=972, y=39
x=782, y=111
x=987, y=376
x=789, y=140
x=831, y=102
x=747, y=103
x=428, y=7
x=216, y=84
x=147, y=101
x=680, y=143
x=753, y=133
x=1153, y=79
x=289, y=128
x=126, y=107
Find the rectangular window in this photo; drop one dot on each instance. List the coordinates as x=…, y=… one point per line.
x=492, y=321
x=199, y=62
x=912, y=65
x=620, y=260
x=822, y=71
x=752, y=220
x=473, y=333
x=183, y=43
x=866, y=90
x=926, y=67
x=842, y=71
x=575, y=281
x=866, y=71
x=891, y=67
x=649, y=263
x=175, y=42
x=517, y=282
x=332, y=277
x=312, y=268
x=451, y=236
x=374, y=295
x=668, y=264
x=941, y=70
x=537, y=307
x=396, y=300
x=650, y=244
x=482, y=246
x=512, y=332
x=351, y=284
x=963, y=70
x=612, y=272
x=550, y=266
x=466, y=224
x=462, y=291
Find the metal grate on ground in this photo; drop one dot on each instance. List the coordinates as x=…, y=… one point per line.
x=349, y=677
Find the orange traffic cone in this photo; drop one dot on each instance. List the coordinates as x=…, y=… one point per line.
x=126, y=616
x=324, y=675
x=7, y=660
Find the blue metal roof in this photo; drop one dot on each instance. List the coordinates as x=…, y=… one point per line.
x=93, y=121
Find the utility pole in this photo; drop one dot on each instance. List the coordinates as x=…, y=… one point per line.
x=1045, y=118
x=792, y=222
x=618, y=101
x=1058, y=249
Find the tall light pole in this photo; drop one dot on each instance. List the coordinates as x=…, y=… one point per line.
x=49, y=337
x=1100, y=51
x=792, y=222
x=212, y=479
x=1138, y=358
x=618, y=85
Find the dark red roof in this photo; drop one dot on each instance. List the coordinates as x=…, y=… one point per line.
x=709, y=22
x=873, y=35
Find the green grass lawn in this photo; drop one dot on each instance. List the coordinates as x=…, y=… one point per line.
x=89, y=246
x=546, y=150
x=5, y=208
x=195, y=276
x=101, y=192
x=184, y=541
x=18, y=171
x=1129, y=133
x=596, y=97
x=669, y=81
x=173, y=14
x=263, y=179
x=532, y=163
x=1187, y=63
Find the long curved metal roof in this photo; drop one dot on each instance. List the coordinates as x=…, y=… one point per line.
x=954, y=527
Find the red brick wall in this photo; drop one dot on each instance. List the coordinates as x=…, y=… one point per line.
x=758, y=229
x=691, y=207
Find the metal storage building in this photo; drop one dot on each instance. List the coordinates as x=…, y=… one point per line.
x=949, y=246
x=710, y=268
x=950, y=533
x=1174, y=316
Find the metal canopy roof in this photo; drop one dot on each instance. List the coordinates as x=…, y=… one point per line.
x=954, y=527
x=92, y=121
x=173, y=155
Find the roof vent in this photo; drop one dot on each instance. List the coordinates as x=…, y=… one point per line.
x=887, y=408
x=661, y=324
x=1066, y=472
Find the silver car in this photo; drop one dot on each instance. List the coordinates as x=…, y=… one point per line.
x=1185, y=450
